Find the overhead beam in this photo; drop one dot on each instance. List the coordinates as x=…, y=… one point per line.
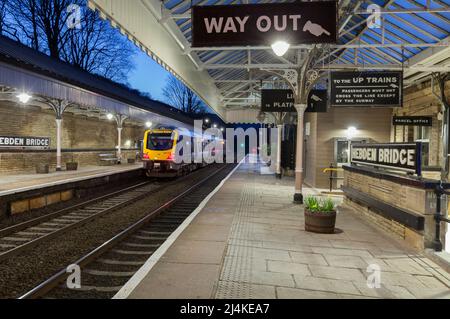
x=336, y=46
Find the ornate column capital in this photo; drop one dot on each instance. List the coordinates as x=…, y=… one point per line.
x=289, y=75
x=301, y=108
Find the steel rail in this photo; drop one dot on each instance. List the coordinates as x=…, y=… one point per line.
x=57, y=232
x=49, y=284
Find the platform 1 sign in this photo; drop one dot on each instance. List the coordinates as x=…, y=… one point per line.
x=412, y=120
x=397, y=156
x=317, y=101
x=373, y=88
x=277, y=101
x=264, y=24
x=283, y=101
x=24, y=142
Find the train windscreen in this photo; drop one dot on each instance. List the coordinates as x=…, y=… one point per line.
x=160, y=141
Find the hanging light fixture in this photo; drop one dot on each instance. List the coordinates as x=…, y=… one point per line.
x=24, y=98
x=148, y=124
x=109, y=116
x=280, y=47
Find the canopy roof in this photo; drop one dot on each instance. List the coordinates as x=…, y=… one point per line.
x=413, y=36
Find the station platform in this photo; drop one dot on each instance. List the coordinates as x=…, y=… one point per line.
x=248, y=241
x=22, y=193
x=10, y=184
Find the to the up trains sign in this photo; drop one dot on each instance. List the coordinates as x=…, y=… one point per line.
x=264, y=24
x=366, y=88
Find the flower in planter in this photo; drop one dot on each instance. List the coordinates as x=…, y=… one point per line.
x=320, y=215
x=319, y=205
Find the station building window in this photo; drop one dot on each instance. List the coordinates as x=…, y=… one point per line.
x=342, y=150
x=422, y=134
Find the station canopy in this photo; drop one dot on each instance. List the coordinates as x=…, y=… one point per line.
x=413, y=36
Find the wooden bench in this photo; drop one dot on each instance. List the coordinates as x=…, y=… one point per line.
x=410, y=219
x=108, y=159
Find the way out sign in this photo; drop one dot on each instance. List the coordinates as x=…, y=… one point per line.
x=264, y=24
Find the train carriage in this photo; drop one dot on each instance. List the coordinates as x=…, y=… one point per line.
x=162, y=152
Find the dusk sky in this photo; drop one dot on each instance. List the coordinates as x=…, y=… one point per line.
x=148, y=76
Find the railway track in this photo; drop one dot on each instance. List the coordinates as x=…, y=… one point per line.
x=107, y=268
x=21, y=237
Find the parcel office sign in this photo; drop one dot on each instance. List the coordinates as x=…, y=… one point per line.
x=264, y=24
x=24, y=142
x=397, y=156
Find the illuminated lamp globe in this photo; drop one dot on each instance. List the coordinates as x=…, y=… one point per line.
x=351, y=132
x=24, y=98
x=280, y=47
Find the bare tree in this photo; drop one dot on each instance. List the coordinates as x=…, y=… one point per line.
x=41, y=23
x=180, y=96
x=5, y=28
x=98, y=48
x=2, y=15
x=95, y=46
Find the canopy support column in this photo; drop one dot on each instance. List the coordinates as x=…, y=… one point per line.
x=120, y=119
x=298, y=196
x=58, y=106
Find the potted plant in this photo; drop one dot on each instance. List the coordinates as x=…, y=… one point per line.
x=42, y=168
x=72, y=165
x=320, y=215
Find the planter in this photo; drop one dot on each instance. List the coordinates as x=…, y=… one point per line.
x=72, y=166
x=42, y=169
x=320, y=222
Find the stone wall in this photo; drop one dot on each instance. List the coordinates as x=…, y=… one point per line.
x=83, y=138
x=420, y=101
x=409, y=198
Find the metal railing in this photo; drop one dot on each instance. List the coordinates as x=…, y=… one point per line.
x=438, y=217
x=332, y=176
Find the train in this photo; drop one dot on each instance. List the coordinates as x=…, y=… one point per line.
x=159, y=151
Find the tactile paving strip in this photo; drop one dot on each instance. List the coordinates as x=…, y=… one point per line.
x=235, y=276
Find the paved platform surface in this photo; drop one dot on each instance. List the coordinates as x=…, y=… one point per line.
x=10, y=184
x=249, y=242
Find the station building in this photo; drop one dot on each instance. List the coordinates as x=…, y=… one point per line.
x=91, y=109
x=249, y=237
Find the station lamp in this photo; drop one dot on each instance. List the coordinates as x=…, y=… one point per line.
x=109, y=116
x=222, y=129
x=351, y=132
x=148, y=124
x=215, y=125
x=206, y=120
x=280, y=47
x=24, y=98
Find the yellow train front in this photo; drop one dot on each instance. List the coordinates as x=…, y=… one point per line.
x=158, y=154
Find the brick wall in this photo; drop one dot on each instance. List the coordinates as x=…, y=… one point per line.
x=373, y=123
x=78, y=132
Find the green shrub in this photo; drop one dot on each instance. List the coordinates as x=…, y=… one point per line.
x=319, y=205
